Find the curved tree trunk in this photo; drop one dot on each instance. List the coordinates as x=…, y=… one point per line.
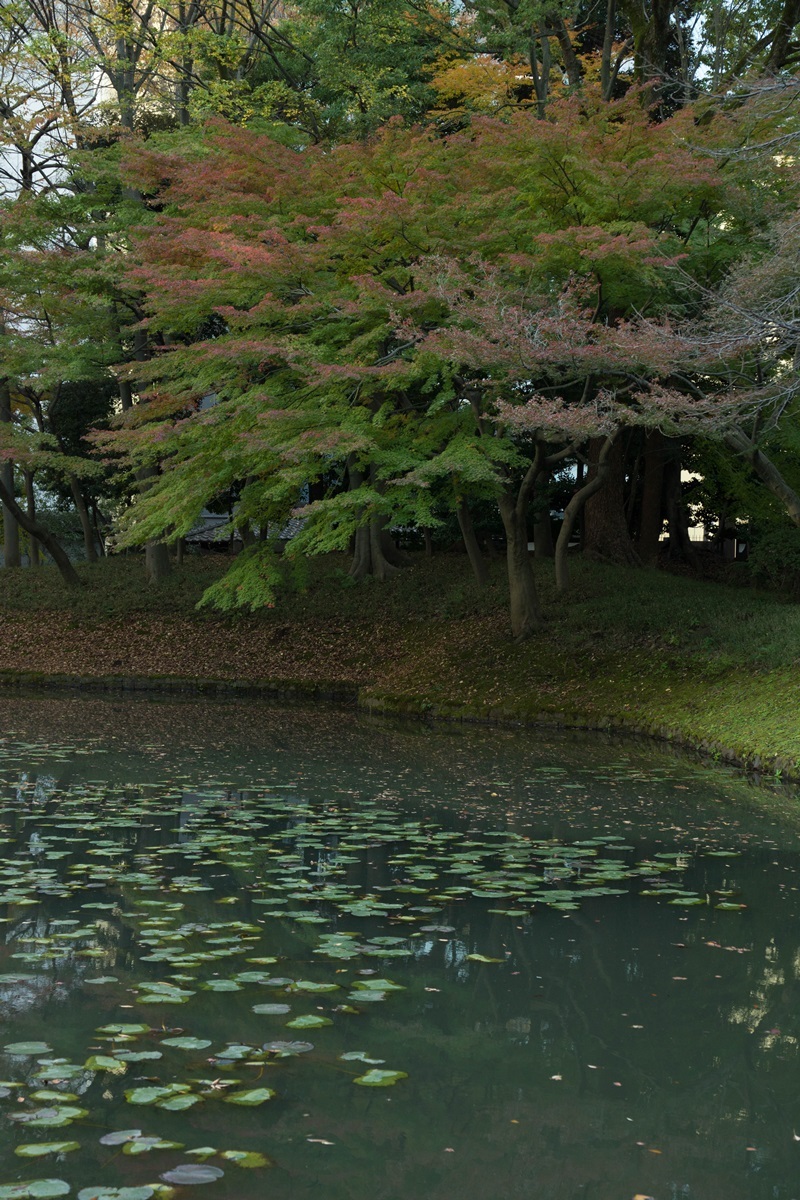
x=34, y=529
x=575, y=507
x=768, y=473
x=606, y=534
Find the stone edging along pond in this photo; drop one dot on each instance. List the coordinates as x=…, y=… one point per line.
x=384, y=704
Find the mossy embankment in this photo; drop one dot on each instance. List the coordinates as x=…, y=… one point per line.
x=713, y=666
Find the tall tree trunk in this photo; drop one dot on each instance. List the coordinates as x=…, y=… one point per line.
x=34, y=529
x=652, y=497
x=476, y=559
x=86, y=521
x=680, y=545
x=11, y=554
x=606, y=534
x=582, y=493
x=526, y=613
x=30, y=499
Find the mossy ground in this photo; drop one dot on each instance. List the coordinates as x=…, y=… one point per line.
x=706, y=662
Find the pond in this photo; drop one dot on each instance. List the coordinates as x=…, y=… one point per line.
x=289, y=954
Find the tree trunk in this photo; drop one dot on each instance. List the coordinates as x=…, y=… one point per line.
x=606, y=535
x=652, y=511
x=33, y=529
x=680, y=545
x=476, y=559
x=526, y=614
x=11, y=555
x=768, y=473
x=156, y=561
x=86, y=521
x=30, y=499
x=573, y=510
x=374, y=552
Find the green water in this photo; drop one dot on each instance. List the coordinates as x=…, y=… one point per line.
x=174, y=867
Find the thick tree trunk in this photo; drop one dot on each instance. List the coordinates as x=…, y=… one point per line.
x=11, y=554
x=86, y=522
x=526, y=613
x=157, y=565
x=652, y=511
x=476, y=559
x=374, y=552
x=768, y=473
x=34, y=557
x=606, y=534
x=34, y=529
x=583, y=492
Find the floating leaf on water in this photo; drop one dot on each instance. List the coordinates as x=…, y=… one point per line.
x=126, y=1029
x=113, y=1193
x=27, y=1049
x=39, y=1149
x=149, y=1095
x=187, y=1043
x=246, y=1158
x=179, y=1103
x=482, y=958
x=272, y=1010
x=361, y=1056
x=39, y=1189
x=188, y=1174
x=285, y=1049
x=307, y=985
x=119, y=1137
x=308, y=1021
x=251, y=1097
x=378, y=1078
x=143, y=1145
x=378, y=985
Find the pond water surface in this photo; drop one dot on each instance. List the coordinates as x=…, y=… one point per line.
x=276, y=953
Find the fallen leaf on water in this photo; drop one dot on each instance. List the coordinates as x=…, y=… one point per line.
x=321, y=1141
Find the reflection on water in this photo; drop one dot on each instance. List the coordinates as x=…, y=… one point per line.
x=171, y=867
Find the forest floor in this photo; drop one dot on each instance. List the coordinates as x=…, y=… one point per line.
x=709, y=664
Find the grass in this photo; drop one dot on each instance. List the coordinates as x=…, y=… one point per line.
x=706, y=662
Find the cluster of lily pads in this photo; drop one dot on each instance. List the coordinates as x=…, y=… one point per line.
x=283, y=863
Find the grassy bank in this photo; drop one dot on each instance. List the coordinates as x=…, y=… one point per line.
x=714, y=665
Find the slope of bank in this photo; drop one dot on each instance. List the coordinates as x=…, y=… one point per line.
x=713, y=666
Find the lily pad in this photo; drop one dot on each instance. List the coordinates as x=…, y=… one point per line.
x=187, y=1043
x=112, y=1193
x=38, y=1189
x=39, y=1149
x=27, y=1049
x=377, y=1078
x=188, y=1174
x=308, y=1021
x=251, y=1097
x=246, y=1158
